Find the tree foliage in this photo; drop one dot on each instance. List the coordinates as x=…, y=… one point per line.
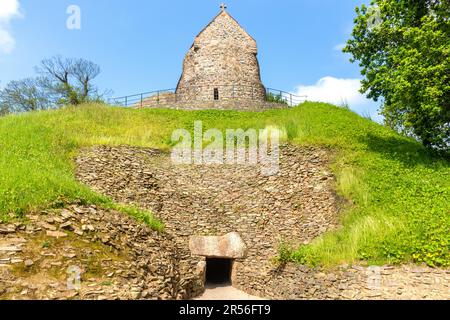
x=271, y=97
x=61, y=81
x=403, y=47
x=24, y=95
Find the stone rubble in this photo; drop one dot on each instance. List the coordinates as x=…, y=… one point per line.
x=296, y=206
x=118, y=257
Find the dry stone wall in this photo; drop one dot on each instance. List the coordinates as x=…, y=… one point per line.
x=169, y=101
x=347, y=282
x=115, y=256
x=297, y=205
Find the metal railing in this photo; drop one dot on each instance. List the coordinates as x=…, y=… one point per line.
x=139, y=99
x=284, y=97
x=197, y=93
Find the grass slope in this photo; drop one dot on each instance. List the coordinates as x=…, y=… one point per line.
x=399, y=194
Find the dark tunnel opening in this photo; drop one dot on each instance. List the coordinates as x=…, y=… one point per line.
x=218, y=271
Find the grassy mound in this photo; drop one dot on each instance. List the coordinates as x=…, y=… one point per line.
x=399, y=194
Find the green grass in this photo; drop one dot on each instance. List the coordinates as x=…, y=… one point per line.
x=398, y=194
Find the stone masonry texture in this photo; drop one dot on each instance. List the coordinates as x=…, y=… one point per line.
x=295, y=206
x=223, y=58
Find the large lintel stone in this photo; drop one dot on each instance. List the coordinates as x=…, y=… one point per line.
x=230, y=246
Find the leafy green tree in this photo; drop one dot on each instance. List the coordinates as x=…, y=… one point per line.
x=271, y=97
x=61, y=82
x=403, y=47
x=24, y=95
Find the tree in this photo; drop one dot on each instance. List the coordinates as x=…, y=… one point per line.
x=70, y=80
x=271, y=97
x=3, y=110
x=62, y=81
x=403, y=47
x=24, y=95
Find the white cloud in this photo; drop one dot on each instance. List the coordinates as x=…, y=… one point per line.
x=338, y=92
x=333, y=90
x=7, y=42
x=9, y=9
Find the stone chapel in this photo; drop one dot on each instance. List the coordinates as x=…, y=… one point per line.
x=221, y=65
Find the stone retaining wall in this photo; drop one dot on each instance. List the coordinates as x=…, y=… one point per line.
x=169, y=101
x=115, y=256
x=297, y=205
x=294, y=282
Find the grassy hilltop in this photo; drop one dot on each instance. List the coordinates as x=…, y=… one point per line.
x=398, y=195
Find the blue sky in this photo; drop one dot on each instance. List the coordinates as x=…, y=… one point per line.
x=140, y=44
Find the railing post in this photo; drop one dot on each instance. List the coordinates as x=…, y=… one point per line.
x=126, y=101
x=157, y=99
x=142, y=100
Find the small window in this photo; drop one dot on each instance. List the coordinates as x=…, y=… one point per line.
x=216, y=94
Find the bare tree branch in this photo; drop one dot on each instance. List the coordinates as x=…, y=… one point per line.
x=70, y=79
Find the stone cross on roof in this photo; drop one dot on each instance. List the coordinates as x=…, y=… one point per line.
x=223, y=6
